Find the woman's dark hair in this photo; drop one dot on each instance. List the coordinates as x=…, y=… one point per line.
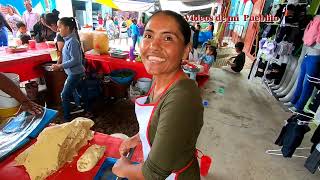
x=43, y=16
x=72, y=24
x=52, y=18
x=183, y=24
x=69, y=22
x=239, y=45
x=20, y=24
x=211, y=27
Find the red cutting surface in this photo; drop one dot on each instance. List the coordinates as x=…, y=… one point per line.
x=8, y=170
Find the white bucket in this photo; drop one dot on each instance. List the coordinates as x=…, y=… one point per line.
x=144, y=84
x=6, y=101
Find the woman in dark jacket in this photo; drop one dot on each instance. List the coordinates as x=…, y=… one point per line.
x=42, y=32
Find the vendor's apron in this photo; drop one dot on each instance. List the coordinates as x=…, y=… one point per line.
x=144, y=113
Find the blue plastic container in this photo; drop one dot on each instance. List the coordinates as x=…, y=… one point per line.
x=122, y=80
x=108, y=163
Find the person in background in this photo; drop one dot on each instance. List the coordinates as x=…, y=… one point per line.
x=111, y=28
x=72, y=63
x=134, y=33
x=209, y=57
x=123, y=30
x=211, y=27
x=42, y=31
x=105, y=19
x=128, y=23
x=25, y=38
x=9, y=87
x=22, y=29
x=237, y=65
x=196, y=31
x=13, y=18
x=3, y=31
x=22, y=33
x=171, y=115
x=116, y=23
x=51, y=20
x=141, y=30
x=59, y=45
x=100, y=19
x=29, y=17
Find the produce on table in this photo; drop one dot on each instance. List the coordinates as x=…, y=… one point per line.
x=90, y=158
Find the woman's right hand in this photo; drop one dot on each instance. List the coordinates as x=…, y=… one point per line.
x=127, y=144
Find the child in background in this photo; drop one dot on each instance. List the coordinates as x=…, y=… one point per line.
x=22, y=29
x=209, y=56
x=237, y=65
x=22, y=33
x=72, y=63
x=25, y=38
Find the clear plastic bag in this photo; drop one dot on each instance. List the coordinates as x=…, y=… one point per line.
x=16, y=130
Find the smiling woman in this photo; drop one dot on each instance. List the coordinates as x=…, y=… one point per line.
x=171, y=115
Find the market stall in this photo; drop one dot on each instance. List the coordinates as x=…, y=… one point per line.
x=25, y=64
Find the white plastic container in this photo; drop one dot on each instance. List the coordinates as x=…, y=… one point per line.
x=144, y=84
x=7, y=101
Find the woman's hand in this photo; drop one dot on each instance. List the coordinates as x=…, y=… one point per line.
x=129, y=143
x=119, y=168
x=31, y=107
x=56, y=67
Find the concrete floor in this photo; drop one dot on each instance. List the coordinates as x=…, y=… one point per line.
x=240, y=126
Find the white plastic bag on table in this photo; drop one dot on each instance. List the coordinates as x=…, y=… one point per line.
x=16, y=130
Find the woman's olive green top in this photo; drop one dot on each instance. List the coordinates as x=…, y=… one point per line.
x=174, y=129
